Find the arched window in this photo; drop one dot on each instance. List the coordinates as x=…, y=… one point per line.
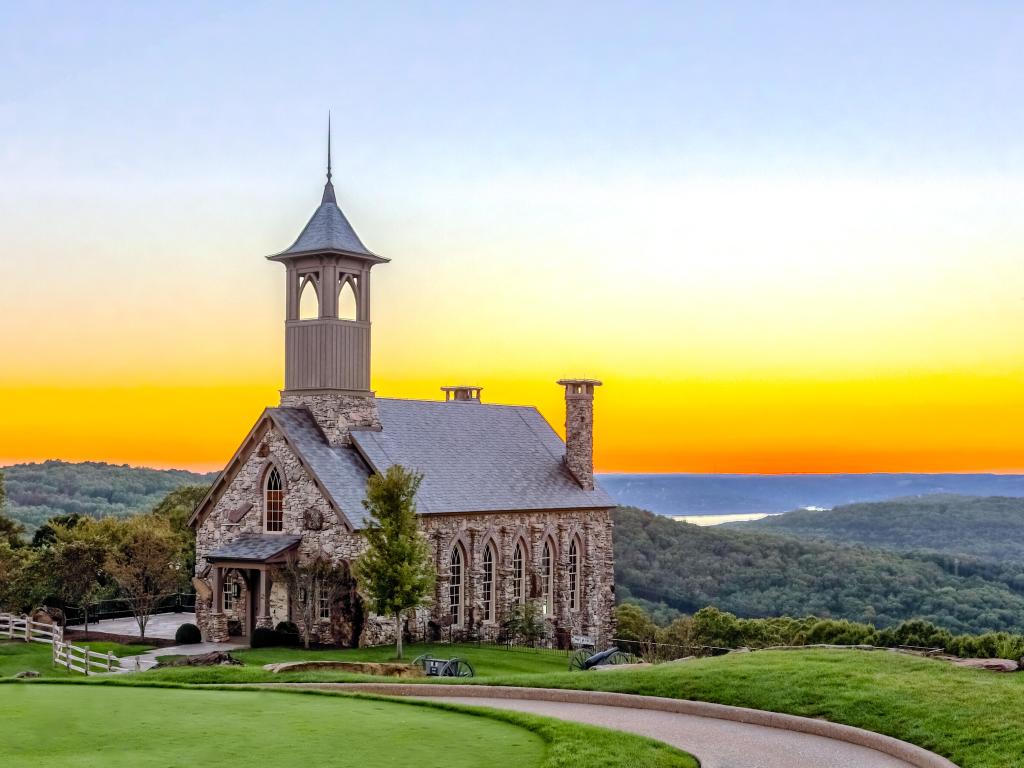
x=488, y=584
x=547, y=576
x=348, y=307
x=273, y=518
x=455, y=586
x=309, y=300
x=518, y=574
x=574, y=576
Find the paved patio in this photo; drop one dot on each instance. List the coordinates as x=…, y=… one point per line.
x=161, y=625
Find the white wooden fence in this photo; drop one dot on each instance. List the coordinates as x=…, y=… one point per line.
x=73, y=657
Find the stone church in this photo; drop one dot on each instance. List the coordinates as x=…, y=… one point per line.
x=512, y=513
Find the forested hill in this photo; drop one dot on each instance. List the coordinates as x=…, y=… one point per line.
x=990, y=527
x=37, y=492
x=754, y=574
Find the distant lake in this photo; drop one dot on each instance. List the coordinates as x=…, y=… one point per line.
x=702, y=499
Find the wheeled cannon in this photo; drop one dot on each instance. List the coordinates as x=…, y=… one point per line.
x=434, y=667
x=583, y=659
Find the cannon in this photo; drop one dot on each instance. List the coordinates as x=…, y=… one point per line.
x=583, y=659
x=434, y=667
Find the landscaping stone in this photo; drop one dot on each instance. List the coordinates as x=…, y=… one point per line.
x=993, y=665
x=355, y=667
x=27, y=673
x=211, y=659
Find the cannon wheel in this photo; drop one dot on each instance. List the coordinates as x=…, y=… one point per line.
x=578, y=659
x=457, y=668
x=620, y=657
x=421, y=661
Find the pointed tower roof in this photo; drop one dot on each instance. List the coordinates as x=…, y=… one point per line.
x=328, y=230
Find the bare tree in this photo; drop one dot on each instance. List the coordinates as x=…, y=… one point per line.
x=311, y=580
x=144, y=564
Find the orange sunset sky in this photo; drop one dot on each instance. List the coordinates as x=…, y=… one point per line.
x=784, y=244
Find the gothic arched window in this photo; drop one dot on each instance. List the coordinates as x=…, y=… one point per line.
x=547, y=576
x=309, y=300
x=348, y=305
x=574, y=576
x=273, y=503
x=518, y=574
x=455, y=586
x=488, y=584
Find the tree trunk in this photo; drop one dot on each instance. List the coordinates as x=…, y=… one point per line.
x=85, y=616
x=398, y=635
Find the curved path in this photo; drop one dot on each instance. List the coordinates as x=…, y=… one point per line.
x=719, y=736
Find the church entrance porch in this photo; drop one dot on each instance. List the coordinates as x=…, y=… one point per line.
x=242, y=585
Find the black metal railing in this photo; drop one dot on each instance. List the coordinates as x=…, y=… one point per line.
x=119, y=608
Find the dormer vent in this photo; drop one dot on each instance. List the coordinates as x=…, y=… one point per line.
x=461, y=394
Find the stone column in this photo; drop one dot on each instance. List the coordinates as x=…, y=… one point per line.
x=579, y=429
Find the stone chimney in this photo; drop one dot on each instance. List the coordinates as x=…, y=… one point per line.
x=462, y=394
x=579, y=429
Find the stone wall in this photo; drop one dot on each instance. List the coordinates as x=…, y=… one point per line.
x=336, y=413
x=592, y=529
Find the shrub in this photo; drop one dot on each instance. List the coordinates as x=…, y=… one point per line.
x=287, y=628
x=271, y=638
x=188, y=634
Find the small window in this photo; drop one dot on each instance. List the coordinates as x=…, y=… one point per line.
x=324, y=606
x=547, y=575
x=230, y=594
x=518, y=574
x=455, y=586
x=488, y=584
x=274, y=517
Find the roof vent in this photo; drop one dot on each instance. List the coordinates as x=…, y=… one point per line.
x=461, y=394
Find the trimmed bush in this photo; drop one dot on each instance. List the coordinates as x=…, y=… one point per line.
x=287, y=627
x=271, y=638
x=188, y=634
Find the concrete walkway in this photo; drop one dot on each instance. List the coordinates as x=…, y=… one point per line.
x=720, y=737
x=161, y=625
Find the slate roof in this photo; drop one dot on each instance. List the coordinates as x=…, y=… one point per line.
x=476, y=457
x=340, y=470
x=255, y=547
x=328, y=230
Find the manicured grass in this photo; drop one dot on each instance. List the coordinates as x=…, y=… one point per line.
x=123, y=722
x=974, y=718
x=488, y=662
x=18, y=657
x=81, y=726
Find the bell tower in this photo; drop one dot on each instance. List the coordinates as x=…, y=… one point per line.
x=327, y=320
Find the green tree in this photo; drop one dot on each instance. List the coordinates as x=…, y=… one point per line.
x=145, y=564
x=395, y=572
x=75, y=562
x=176, y=508
x=10, y=530
x=46, y=534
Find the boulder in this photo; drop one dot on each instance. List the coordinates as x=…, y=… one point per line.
x=993, y=665
x=211, y=659
x=27, y=673
x=383, y=669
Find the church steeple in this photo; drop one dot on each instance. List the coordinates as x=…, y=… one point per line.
x=327, y=349
x=328, y=187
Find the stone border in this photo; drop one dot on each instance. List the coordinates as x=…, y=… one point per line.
x=910, y=753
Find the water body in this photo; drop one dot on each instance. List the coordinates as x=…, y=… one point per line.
x=727, y=498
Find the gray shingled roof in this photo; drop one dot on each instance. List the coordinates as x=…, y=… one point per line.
x=340, y=470
x=475, y=457
x=328, y=230
x=255, y=547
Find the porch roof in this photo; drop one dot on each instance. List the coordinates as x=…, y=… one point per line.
x=255, y=547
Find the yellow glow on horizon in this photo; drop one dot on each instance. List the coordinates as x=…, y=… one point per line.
x=739, y=325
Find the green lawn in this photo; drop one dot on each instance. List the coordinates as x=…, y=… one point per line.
x=488, y=662
x=113, y=722
x=974, y=718
x=17, y=656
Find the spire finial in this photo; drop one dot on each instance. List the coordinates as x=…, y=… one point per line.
x=328, y=145
x=328, y=187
